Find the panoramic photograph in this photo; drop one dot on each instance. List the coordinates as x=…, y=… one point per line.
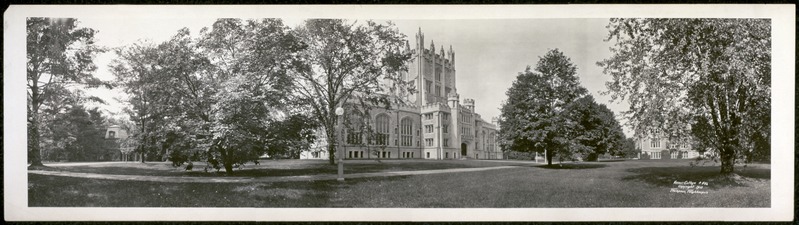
x=314, y=112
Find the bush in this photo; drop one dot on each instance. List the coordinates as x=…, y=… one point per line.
x=591, y=157
x=178, y=158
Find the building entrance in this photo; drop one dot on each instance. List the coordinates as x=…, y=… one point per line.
x=463, y=149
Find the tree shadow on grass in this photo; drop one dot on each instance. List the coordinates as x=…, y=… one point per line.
x=349, y=168
x=201, y=169
x=666, y=176
x=573, y=166
x=611, y=160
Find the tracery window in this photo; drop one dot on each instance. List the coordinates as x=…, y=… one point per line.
x=406, y=132
x=655, y=143
x=382, y=129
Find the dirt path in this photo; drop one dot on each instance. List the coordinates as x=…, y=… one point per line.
x=174, y=179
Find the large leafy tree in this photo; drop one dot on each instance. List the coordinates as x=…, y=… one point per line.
x=188, y=78
x=348, y=62
x=532, y=119
x=137, y=71
x=59, y=56
x=706, y=79
x=252, y=61
x=166, y=92
x=594, y=129
x=628, y=149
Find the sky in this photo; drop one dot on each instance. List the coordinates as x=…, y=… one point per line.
x=489, y=53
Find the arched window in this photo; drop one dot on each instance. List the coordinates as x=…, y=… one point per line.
x=484, y=140
x=354, y=124
x=406, y=132
x=382, y=129
x=491, y=142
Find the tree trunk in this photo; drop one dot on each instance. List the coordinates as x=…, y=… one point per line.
x=228, y=168
x=141, y=151
x=34, y=151
x=226, y=158
x=330, y=131
x=331, y=147
x=549, y=157
x=727, y=161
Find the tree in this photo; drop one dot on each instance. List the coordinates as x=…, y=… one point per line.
x=53, y=130
x=628, y=149
x=701, y=79
x=595, y=130
x=170, y=92
x=86, y=129
x=346, y=61
x=251, y=61
x=532, y=119
x=59, y=55
x=136, y=70
x=191, y=87
x=290, y=136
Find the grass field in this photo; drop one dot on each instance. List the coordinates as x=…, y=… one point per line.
x=641, y=183
x=269, y=168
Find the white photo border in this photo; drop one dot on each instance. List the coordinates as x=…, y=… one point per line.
x=783, y=86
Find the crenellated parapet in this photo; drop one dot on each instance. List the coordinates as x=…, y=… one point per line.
x=406, y=107
x=435, y=106
x=468, y=102
x=445, y=58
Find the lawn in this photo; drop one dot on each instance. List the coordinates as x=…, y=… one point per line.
x=641, y=183
x=269, y=168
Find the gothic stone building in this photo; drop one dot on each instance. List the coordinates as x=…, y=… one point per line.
x=435, y=125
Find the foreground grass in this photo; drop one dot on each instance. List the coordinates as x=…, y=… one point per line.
x=605, y=184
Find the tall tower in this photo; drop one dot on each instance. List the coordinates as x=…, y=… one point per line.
x=455, y=118
x=420, y=64
x=432, y=70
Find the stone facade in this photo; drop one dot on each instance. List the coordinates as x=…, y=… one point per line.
x=658, y=148
x=435, y=125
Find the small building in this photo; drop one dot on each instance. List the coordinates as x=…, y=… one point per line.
x=122, y=149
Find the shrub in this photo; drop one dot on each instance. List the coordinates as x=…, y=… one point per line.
x=178, y=158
